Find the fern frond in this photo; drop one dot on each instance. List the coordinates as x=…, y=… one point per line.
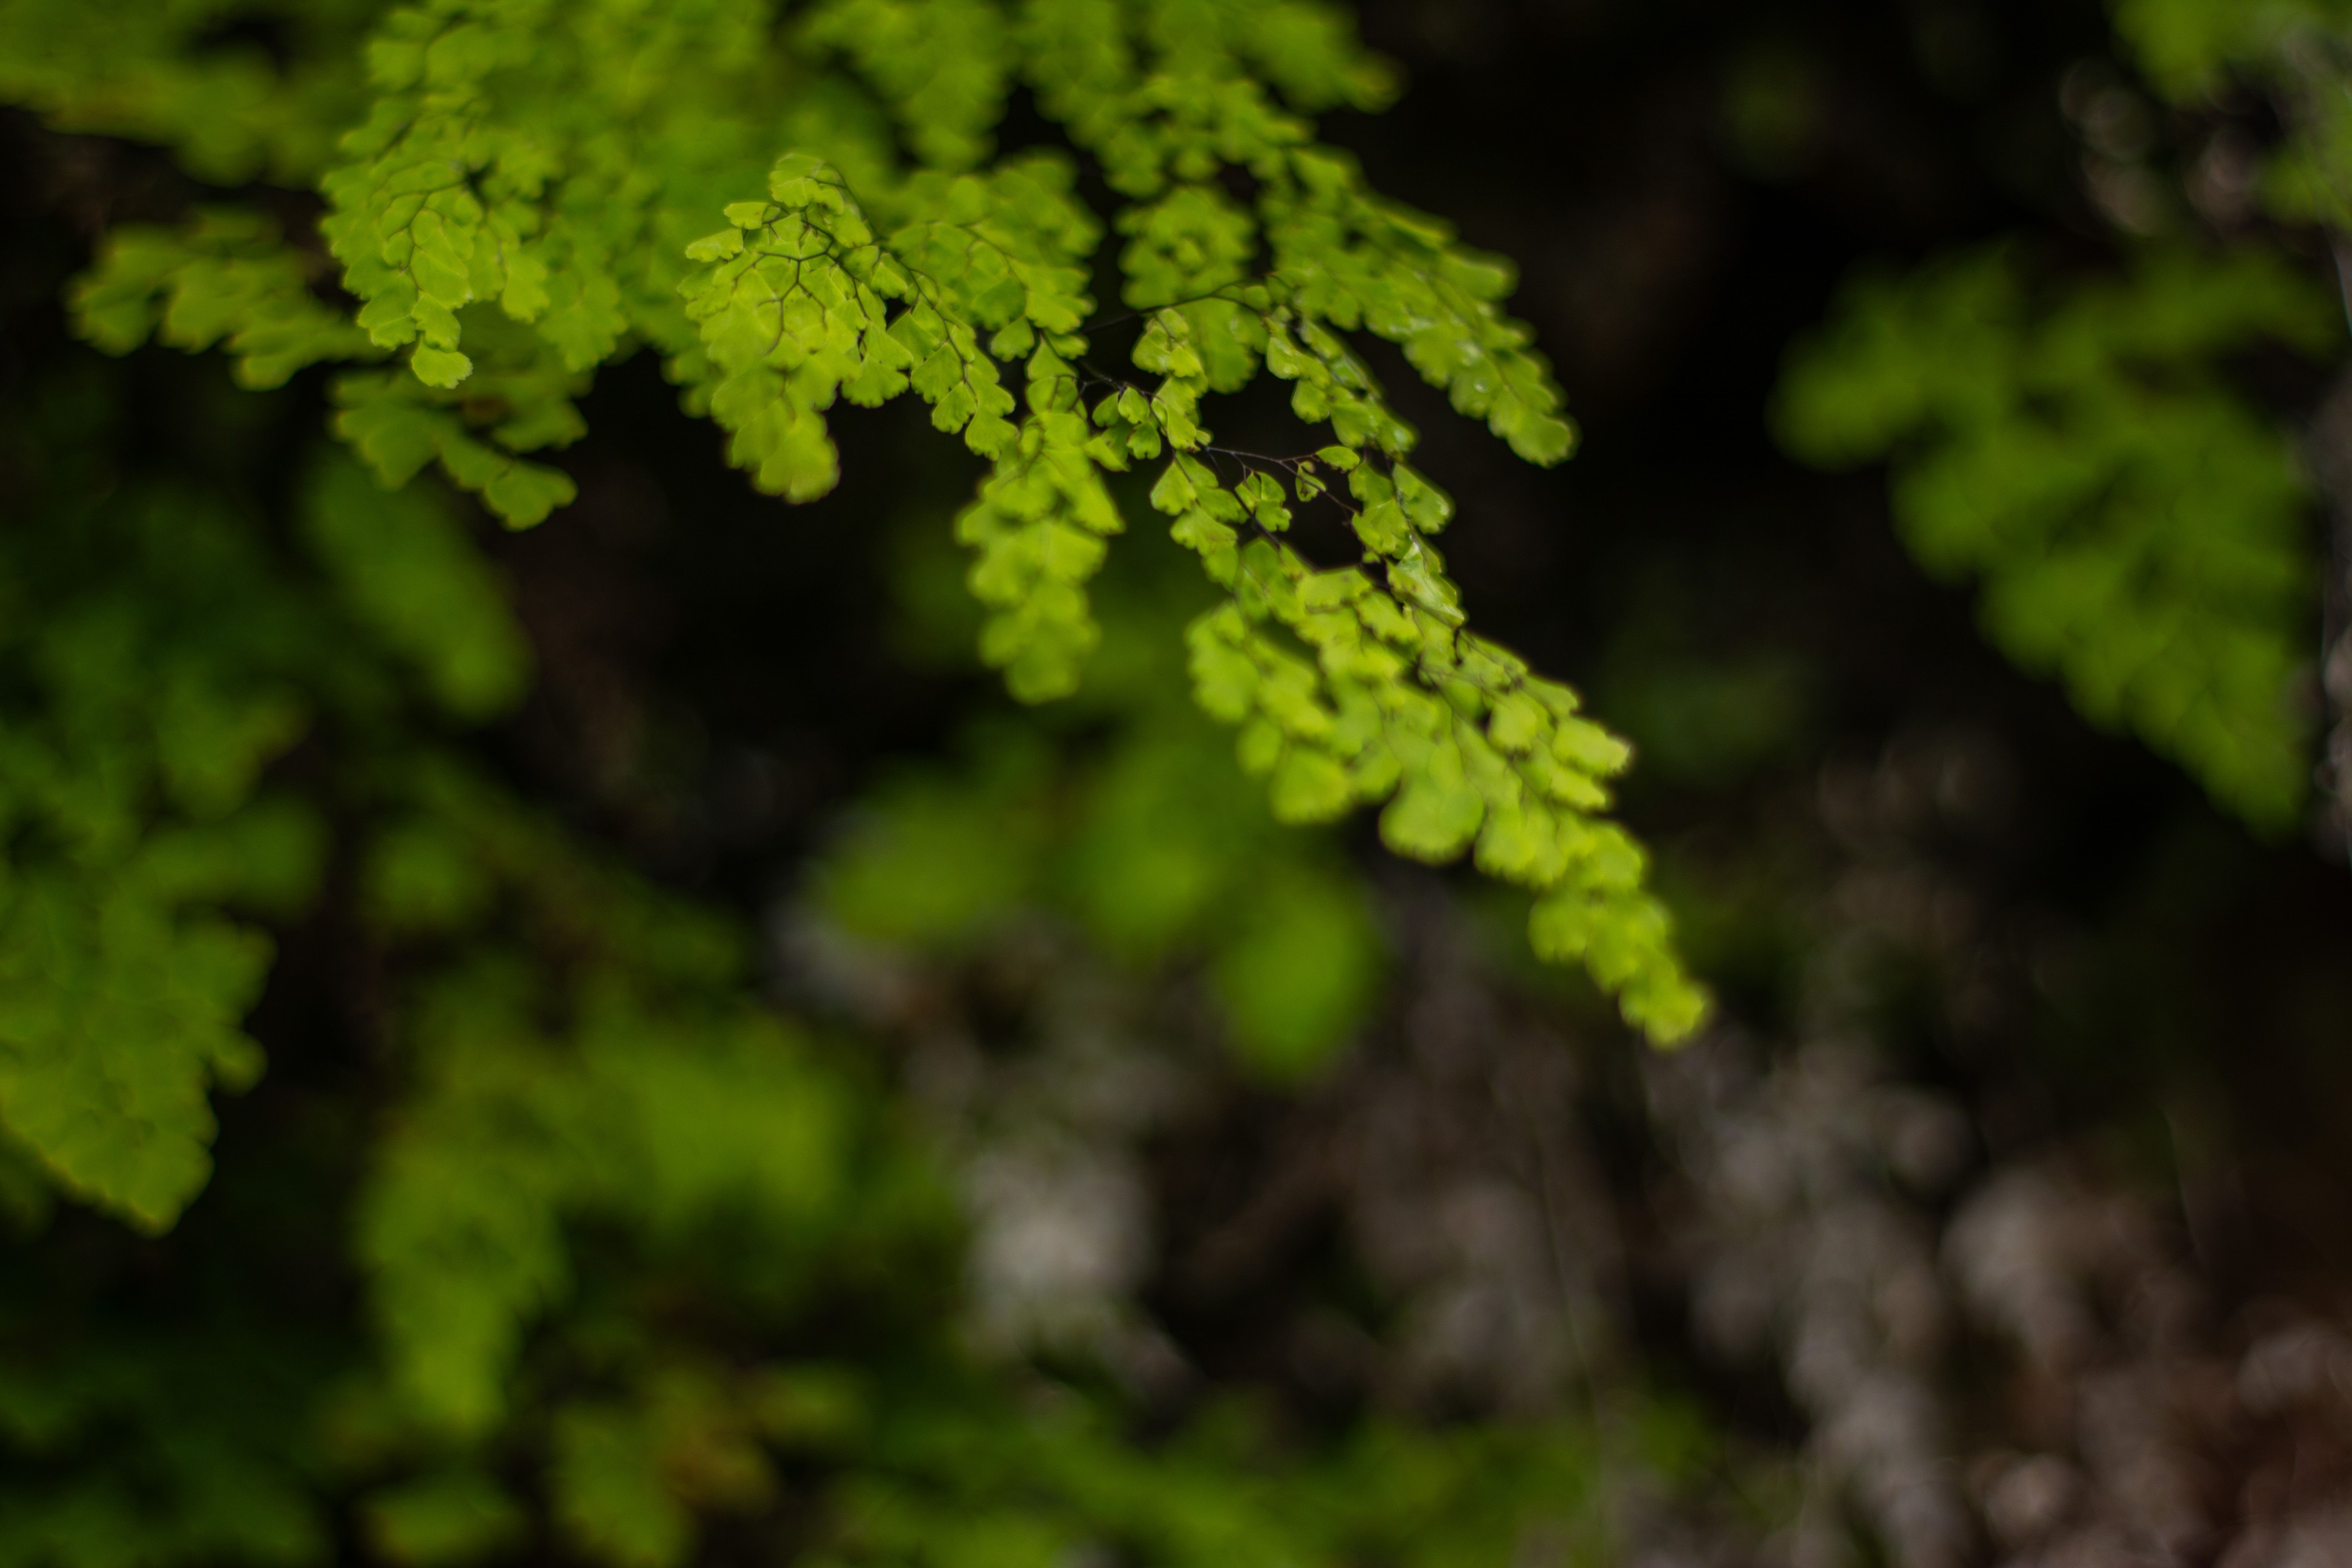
x=2135, y=524
x=529, y=193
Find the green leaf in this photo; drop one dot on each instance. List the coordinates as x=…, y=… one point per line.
x=1310, y=785
x=439, y=367
x=115, y=1016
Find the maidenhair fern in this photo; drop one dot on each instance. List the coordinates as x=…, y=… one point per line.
x=603, y=1258
x=2137, y=520
x=171, y=662
x=2137, y=527
x=799, y=208
x=139, y=723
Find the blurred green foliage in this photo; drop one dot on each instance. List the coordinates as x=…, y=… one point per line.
x=597, y=1254
x=2295, y=53
x=2138, y=525
x=1121, y=814
x=2189, y=47
x=2086, y=447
